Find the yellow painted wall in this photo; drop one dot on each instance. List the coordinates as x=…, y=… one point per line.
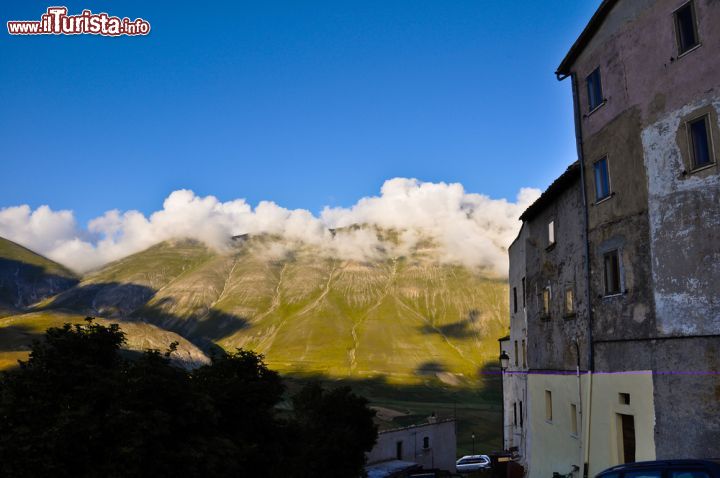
x=604, y=449
x=551, y=445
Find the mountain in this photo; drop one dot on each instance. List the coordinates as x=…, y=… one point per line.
x=401, y=318
x=27, y=277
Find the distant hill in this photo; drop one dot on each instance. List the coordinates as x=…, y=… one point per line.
x=403, y=318
x=27, y=277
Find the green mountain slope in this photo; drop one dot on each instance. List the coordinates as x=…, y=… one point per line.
x=27, y=277
x=405, y=318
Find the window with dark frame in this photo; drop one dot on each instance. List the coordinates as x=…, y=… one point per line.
x=399, y=450
x=515, y=308
x=700, y=143
x=594, y=89
x=515, y=420
x=686, y=28
x=426, y=442
x=521, y=414
x=524, y=354
x=602, y=179
x=611, y=268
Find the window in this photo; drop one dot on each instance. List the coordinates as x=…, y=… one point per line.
x=426, y=442
x=524, y=356
x=685, y=27
x=573, y=419
x=515, y=421
x=521, y=414
x=611, y=262
x=516, y=353
x=546, y=302
x=594, y=88
x=602, y=179
x=548, y=405
x=700, y=143
x=515, y=300
x=551, y=233
x=398, y=450
x=523, y=291
x=624, y=398
x=569, y=302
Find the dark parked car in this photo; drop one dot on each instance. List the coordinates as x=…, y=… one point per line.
x=664, y=469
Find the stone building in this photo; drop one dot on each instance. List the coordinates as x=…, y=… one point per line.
x=646, y=88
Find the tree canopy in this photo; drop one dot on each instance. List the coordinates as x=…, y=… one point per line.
x=81, y=406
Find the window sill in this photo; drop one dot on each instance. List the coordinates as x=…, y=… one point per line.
x=701, y=168
x=603, y=103
x=606, y=198
x=690, y=50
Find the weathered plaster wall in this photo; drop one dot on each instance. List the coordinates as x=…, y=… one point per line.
x=684, y=215
x=515, y=379
x=686, y=390
x=551, y=340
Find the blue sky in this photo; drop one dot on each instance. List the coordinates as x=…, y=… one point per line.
x=308, y=103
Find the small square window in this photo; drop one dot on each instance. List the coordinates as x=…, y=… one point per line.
x=602, y=179
x=548, y=405
x=700, y=143
x=611, y=262
x=624, y=398
x=686, y=28
x=569, y=302
x=594, y=89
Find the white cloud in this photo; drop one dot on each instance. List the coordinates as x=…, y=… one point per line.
x=466, y=228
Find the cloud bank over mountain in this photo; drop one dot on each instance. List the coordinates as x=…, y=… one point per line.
x=467, y=228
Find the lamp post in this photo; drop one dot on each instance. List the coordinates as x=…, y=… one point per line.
x=504, y=362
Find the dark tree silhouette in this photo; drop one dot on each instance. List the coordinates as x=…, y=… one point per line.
x=79, y=407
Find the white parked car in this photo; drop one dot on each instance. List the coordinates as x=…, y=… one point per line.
x=473, y=463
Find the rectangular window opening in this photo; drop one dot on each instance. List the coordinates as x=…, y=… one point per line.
x=700, y=144
x=551, y=233
x=515, y=302
x=624, y=398
x=548, y=406
x=611, y=261
x=569, y=302
x=523, y=292
x=515, y=416
x=686, y=28
x=516, y=353
x=602, y=179
x=546, y=302
x=426, y=442
x=626, y=438
x=524, y=354
x=521, y=414
x=398, y=450
x=594, y=89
